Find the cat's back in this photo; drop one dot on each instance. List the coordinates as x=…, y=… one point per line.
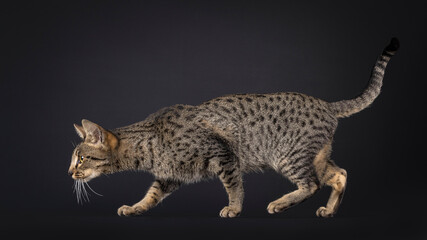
x=241, y=118
x=270, y=126
x=275, y=109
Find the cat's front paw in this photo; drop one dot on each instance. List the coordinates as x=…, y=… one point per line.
x=230, y=212
x=277, y=206
x=130, y=210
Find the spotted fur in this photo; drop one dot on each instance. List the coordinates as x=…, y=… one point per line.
x=225, y=138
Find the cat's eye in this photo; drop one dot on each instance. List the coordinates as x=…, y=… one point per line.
x=80, y=160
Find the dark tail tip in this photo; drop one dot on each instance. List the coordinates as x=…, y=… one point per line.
x=393, y=46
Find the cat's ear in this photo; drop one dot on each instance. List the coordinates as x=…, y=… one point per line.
x=98, y=136
x=94, y=132
x=80, y=131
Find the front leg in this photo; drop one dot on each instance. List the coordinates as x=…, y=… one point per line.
x=158, y=191
x=234, y=186
x=231, y=177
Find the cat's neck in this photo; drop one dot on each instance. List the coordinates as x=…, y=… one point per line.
x=136, y=149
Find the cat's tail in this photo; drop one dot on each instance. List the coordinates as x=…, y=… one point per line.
x=346, y=108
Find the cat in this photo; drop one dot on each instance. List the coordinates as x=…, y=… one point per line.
x=226, y=137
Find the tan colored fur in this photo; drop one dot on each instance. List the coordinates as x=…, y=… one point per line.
x=292, y=198
x=112, y=141
x=150, y=200
x=320, y=162
x=331, y=175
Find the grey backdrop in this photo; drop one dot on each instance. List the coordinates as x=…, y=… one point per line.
x=116, y=62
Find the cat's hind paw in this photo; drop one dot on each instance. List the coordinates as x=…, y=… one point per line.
x=229, y=212
x=324, y=212
x=130, y=210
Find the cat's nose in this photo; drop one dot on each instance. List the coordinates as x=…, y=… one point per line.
x=70, y=172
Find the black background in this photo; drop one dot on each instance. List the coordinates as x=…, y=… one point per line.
x=116, y=62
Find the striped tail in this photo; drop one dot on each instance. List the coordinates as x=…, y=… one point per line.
x=346, y=108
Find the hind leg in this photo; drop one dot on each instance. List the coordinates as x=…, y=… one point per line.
x=303, y=192
x=336, y=178
x=300, y=171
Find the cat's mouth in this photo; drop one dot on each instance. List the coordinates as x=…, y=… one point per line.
x=77, y=176
x=86, y=177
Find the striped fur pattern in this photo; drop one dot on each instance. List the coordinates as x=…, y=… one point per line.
x=225, y=138
x=346, y=108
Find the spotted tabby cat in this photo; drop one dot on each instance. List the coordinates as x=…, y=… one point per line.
x=225, y=138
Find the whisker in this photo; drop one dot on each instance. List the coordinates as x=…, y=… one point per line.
x=76, y=190
x=85, y=194
x=76, y=187
x=103, y=174
x=80, y=192
x=87, y=184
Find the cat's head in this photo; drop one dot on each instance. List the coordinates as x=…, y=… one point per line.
x=94, y=155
